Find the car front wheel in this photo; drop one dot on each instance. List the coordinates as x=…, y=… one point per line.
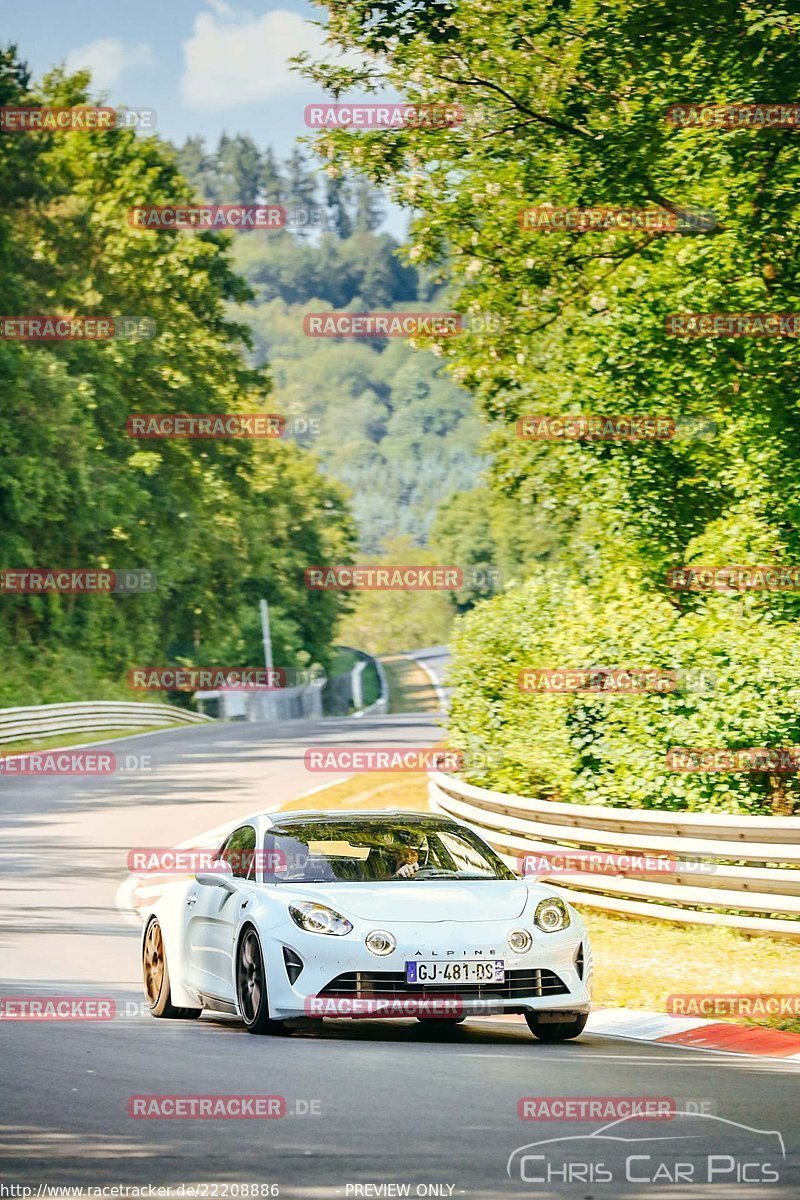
x=556, y=1031
x=155, y=971
x=251, y=986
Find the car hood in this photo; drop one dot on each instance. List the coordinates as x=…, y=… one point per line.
x=419, y=900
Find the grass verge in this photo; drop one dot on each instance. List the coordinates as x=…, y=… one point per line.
x=410, y=689
x=384, y=789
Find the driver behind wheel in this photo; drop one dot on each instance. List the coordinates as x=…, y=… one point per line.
x=406, y=862
x=407, y=855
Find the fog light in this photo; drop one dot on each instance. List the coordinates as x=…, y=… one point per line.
x=520, y=941
x=380, y=942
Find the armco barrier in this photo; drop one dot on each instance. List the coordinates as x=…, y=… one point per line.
x=49, y=720
x=345, y=693
x=763, y=898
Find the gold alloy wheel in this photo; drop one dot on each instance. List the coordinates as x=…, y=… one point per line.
x=153, y=963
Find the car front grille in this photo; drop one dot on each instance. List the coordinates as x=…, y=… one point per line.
x=536, y=981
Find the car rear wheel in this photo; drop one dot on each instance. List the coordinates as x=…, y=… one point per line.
x=556, y=1031
x=251, y=986
x=155, y=971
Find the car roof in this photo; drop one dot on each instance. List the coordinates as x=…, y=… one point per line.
x=359, y=816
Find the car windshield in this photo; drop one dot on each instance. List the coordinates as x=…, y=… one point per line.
x=326, y=851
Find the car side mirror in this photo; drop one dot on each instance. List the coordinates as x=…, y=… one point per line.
x=221, y=876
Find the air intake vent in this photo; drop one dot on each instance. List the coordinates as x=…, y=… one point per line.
x=293, y=963
x=579, y=961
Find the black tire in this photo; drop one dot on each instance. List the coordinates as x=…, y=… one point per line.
x=155, y=972
x=441, y=1020
x=556, y=1031
x=251, y=986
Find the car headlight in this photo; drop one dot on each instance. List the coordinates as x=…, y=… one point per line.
x=318, y=918
x=519, y=940
x=380, y=942
x=551, y=915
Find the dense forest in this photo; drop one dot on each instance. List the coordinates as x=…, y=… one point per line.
x=394, y=426
x=219, y=523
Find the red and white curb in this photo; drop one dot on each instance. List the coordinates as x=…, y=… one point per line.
x=695, y=1033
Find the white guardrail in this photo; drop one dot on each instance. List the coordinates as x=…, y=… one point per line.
x=49, y=720
x=715, y=881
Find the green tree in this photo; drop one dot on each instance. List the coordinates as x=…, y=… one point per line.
x=383, y=622
x=270, y=182
x=336, y=198
x=369, y=207
x=734, y=672
x=199, y=167
x=221, y=523
x=239, y=169
x=566, y=105
x=302, y=187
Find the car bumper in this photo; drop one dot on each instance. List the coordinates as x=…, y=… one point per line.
x=341, y=978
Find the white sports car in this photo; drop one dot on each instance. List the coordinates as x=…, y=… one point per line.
x=389, y=914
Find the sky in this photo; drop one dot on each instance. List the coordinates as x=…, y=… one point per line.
x=205, y=66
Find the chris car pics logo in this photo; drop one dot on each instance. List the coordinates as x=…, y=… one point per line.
x=692, y=1149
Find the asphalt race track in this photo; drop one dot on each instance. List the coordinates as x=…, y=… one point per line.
x=371, y=1109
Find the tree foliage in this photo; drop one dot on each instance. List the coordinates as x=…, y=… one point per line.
x=736, y=686
x=221, y=523
x=566, y=104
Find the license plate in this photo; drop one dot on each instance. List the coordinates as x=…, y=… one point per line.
x=488, y=971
